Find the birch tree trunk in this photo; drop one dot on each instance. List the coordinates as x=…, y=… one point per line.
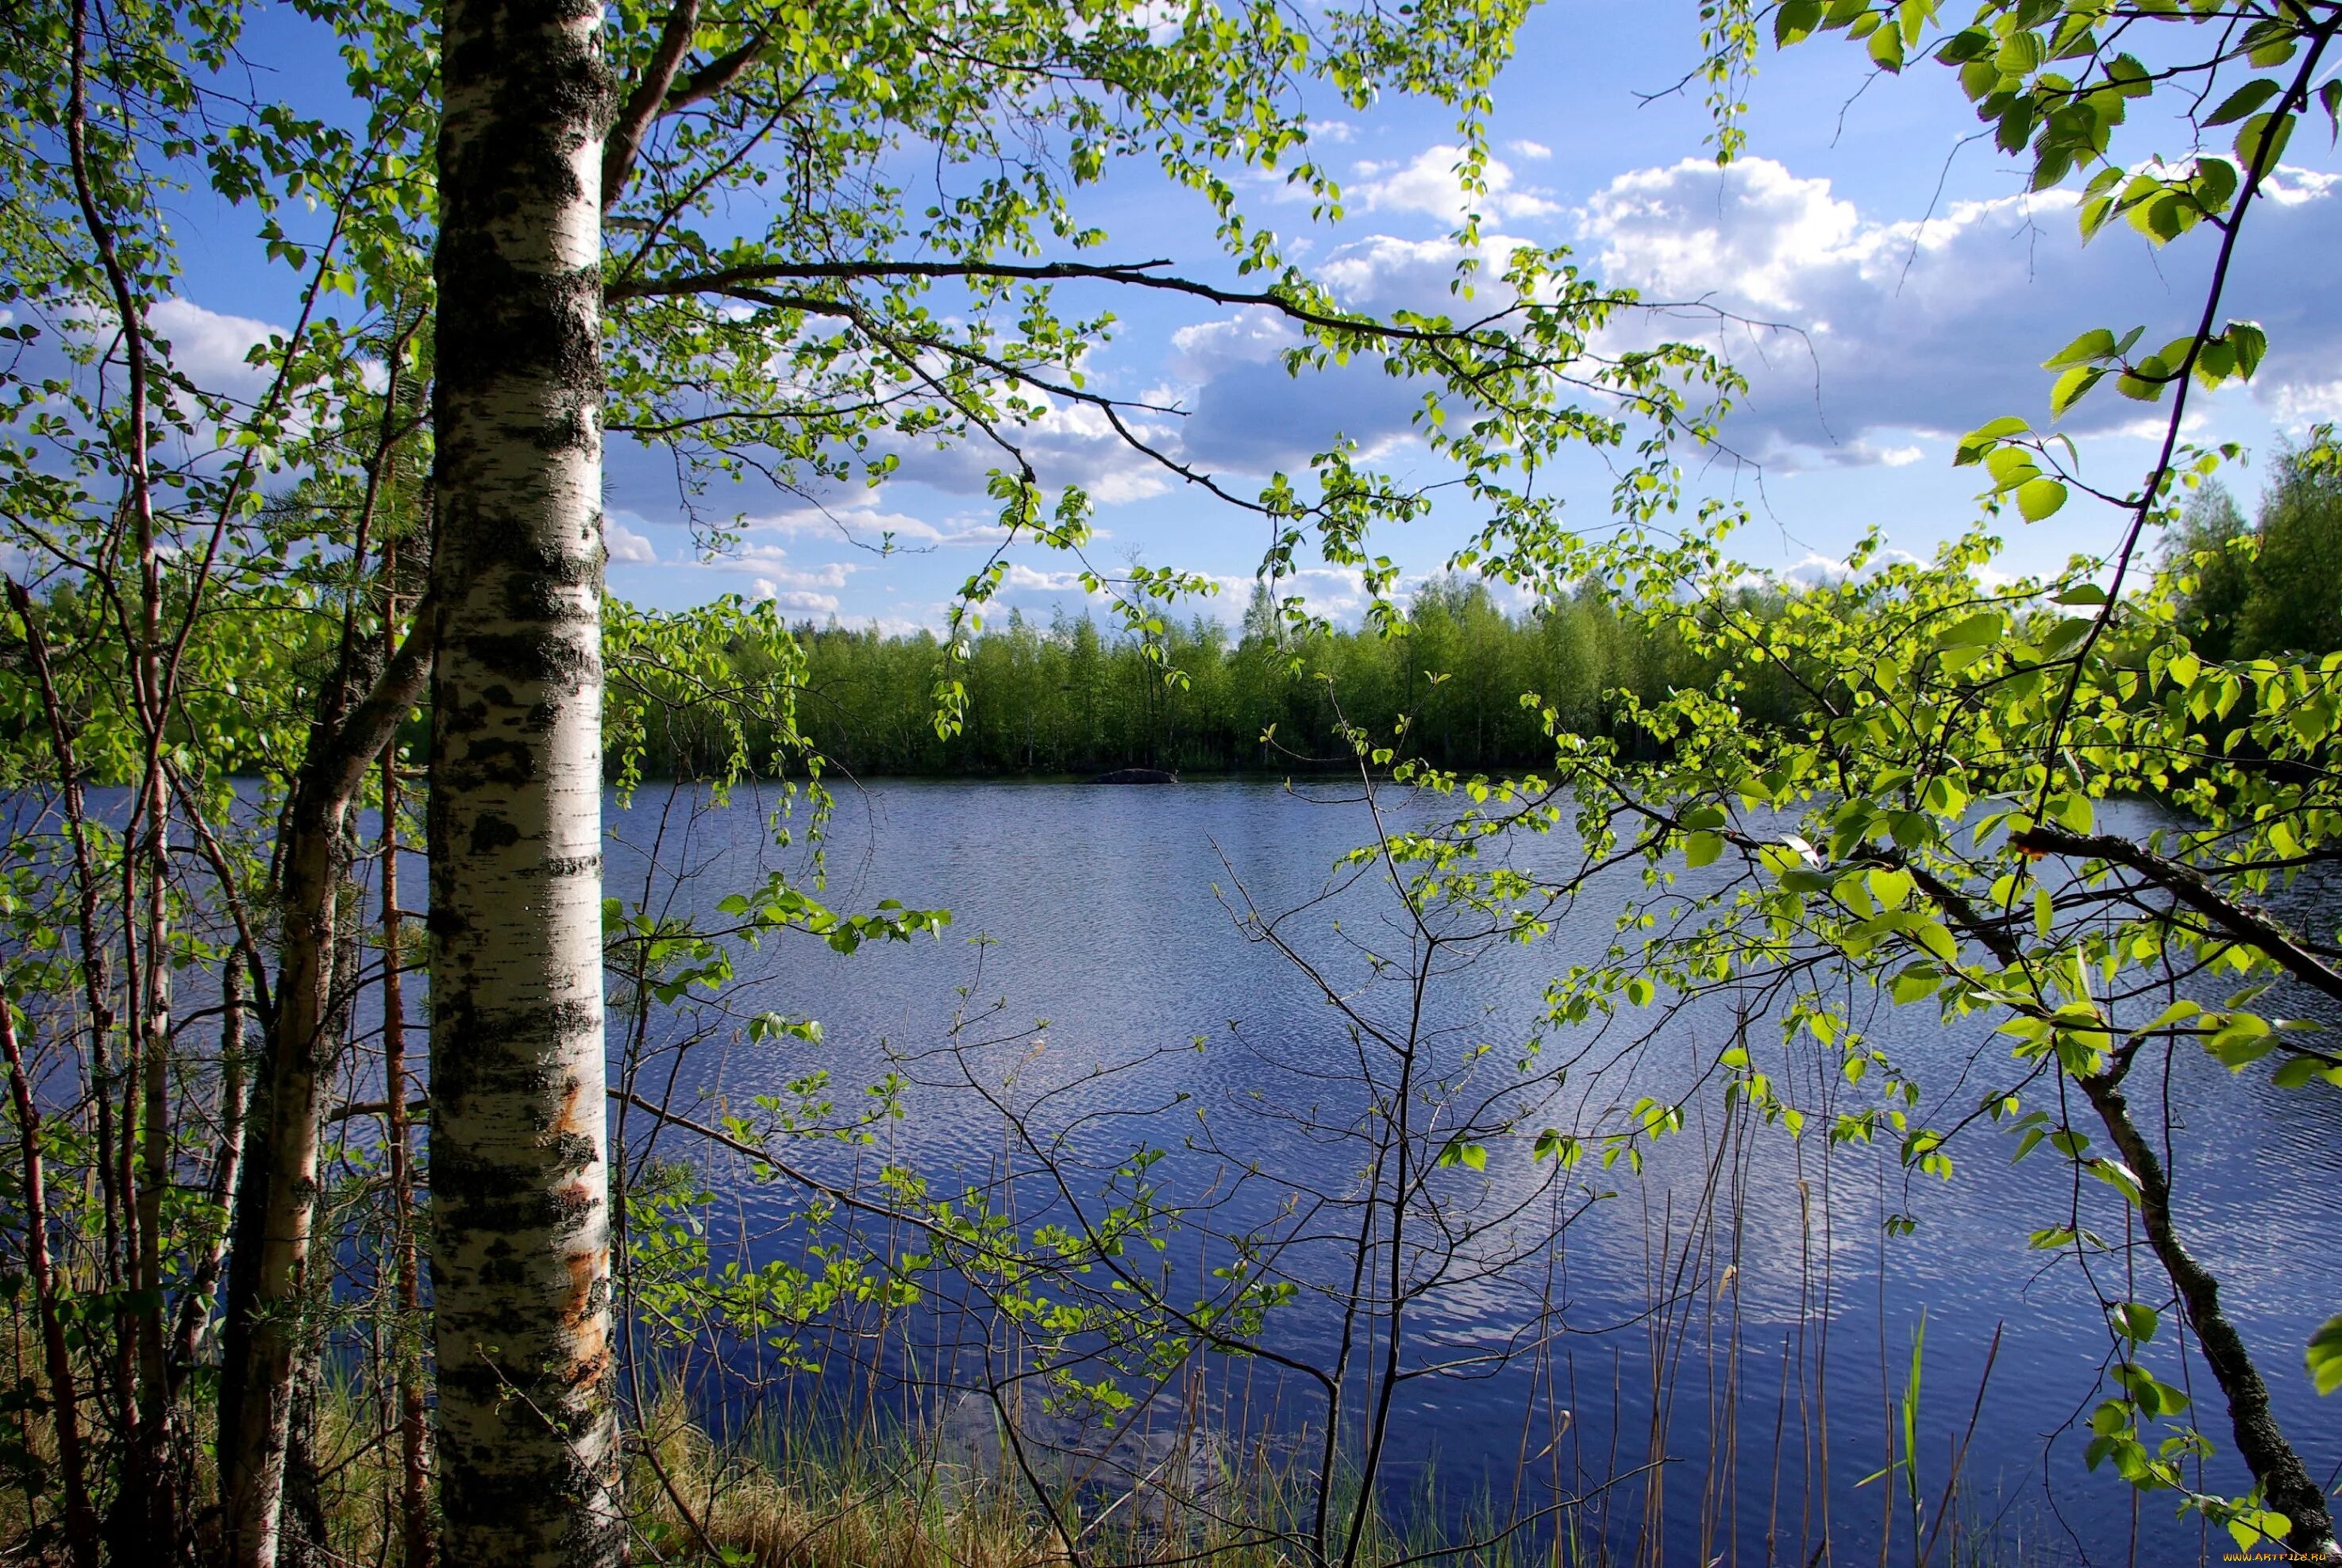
x=256, y=1404
x=520, y=1265
x=269, y=1294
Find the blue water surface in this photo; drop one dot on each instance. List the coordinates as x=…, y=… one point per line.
x=1717, y=1352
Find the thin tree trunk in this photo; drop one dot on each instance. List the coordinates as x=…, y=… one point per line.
x=157, y=1172
x=2285, y=1485
x=81, y=1519
x=2285, y=1482
x=196, y=1301
x=303, y=1540
x=284, y=1180
x=247, y=1225
x=143, y=1486
x=520, y=1259
x=303, y=1536
x=266, y=1304
x=416, y=1534
x=98, y=986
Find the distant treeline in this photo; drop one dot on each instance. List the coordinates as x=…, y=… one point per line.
x=1065, y=697
x=2272, y=585
x=1068, y=698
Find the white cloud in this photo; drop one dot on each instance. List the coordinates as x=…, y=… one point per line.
x=1254, y=335
x=764, y=588
x=1429, y=184
x=209, y=346
x=900, y=627
x=1245, y=412
x=2290, y=186
x=1385, y=272
x=1032, y=580
x=1522, y=147
x=1816, y=569
x=625, y=546
x=1333, y=131
x=828, y=575
x=1891, y=328
x=1068, y=442
x=769, y=562
x=1250, y=416
x=1691, y=229
x=2306, y=403
x=1332, y=592
x=858, y=519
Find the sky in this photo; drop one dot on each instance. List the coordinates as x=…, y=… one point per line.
x=1916, y=288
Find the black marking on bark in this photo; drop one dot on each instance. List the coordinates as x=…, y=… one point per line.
x=531, y=657
x=492, y=833
x=495, y=760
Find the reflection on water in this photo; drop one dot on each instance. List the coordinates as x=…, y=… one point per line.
x=1741, y=1299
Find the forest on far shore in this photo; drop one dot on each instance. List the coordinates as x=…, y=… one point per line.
x=1066, y=697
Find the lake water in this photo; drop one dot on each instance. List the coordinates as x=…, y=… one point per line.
x=1724, y=1338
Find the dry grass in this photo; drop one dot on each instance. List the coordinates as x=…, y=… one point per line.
x=812, y=1505
x=813, y=1500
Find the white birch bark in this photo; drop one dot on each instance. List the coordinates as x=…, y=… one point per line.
x=520, y=1263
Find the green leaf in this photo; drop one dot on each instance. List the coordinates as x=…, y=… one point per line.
x=1932, y=935
x=1796, y=21
x=2011, y=466
x=2249, y=344
x=1474, y=1155
x=2041, y=499
x=2325, y=1355
x=2096, y=345
x=2072, y=387
x=2296, y=1071
x=2178, y=1013
x=2261, y=143
x=1979, y=630
x=1916, y=980
x=2216, y=182
x=2242, y=102
x=2072, y=812
x=2271, y=42
x=2243, y=1040
x=1976, y=441
x=1702, y=849
x=2248, y=1527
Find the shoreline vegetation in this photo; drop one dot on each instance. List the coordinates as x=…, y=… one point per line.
x=1449, y=684
x=1067, y=699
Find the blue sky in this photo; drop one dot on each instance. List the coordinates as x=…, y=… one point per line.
x=1909, y=332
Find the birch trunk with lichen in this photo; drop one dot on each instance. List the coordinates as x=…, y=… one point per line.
x=520, y=1259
